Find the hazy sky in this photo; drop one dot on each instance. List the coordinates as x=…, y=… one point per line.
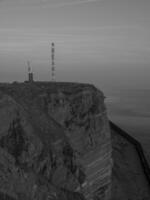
x=96, y=40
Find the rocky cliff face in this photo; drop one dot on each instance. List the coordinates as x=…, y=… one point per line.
x=54, y=142
x=130, y=174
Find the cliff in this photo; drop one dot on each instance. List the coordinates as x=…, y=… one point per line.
x=131, y=172
x=54, y=142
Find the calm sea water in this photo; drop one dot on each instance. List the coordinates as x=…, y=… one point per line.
x=130, y=109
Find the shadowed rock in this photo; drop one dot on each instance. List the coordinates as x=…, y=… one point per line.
x=55, y=142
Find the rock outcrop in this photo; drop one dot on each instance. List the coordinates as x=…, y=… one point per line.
x=131, y=172
x=54, y=142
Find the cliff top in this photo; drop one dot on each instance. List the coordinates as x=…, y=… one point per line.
x=21, y=89
x=69, y=86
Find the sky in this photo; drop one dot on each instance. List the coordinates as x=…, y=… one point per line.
x=105, y=42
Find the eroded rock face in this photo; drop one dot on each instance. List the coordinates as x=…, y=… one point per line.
x=54, y=142
x=83, y=116
x=128, y=179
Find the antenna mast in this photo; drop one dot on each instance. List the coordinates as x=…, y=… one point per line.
x=30, y=73
x=53, y=60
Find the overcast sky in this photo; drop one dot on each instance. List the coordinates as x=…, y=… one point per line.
x=96, y=40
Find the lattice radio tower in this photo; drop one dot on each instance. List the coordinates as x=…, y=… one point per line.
x=53, y=61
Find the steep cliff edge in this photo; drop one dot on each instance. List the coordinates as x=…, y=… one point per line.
x=131, y=172
x=54, y=142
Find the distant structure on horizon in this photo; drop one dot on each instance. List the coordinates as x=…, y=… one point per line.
x=30, y=73
x=53, y=61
